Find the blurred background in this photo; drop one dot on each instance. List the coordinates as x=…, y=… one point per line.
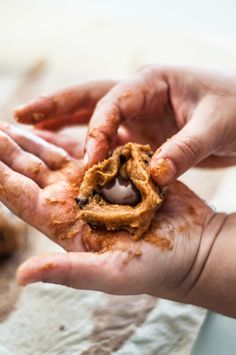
x=47, y=44
x=81, y=39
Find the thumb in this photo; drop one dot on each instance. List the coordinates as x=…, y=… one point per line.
x=185, y=149
x=78, y=270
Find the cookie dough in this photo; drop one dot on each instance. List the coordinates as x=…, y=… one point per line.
x=119, y=193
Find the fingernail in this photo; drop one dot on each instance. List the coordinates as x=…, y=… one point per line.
x=88, y=150
x=93, y=151
x=86, y=158
x=163, y=171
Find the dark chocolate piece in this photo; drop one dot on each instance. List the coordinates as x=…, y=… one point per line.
x=81, y=201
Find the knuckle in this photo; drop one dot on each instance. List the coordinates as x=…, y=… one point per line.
x=38, y=169
x=105, y=104
x=190, y=148
x=147, y=68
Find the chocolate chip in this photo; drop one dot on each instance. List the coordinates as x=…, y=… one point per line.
x=121, y=191
x=94, y=192
x=81, y=201
x=122, y=159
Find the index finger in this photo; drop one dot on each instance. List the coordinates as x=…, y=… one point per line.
x=126, y=101
x=144, y=96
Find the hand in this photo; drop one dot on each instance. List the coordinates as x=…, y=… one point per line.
x=196, y=110
x=39, y=182
x=167, y=269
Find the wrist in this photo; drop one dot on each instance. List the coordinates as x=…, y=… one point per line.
x=190, y=288
x=213, y=283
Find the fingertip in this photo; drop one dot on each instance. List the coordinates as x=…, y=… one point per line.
x=36, y=269
x=21, y=275
x=27, y=271
x=21, y=281
x=95, y=150
x=163, y=170
x=21, y=113
x=17, y=113
x=35, y=110
x=86, y=159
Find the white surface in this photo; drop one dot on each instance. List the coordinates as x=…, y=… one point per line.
x=34, y=328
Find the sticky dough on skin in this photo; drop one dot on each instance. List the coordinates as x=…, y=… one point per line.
x=101, y=210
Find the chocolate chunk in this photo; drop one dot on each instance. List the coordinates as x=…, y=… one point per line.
x=81, y=201
x=122, y=159
x=121, y=191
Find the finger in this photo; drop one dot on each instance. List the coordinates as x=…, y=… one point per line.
x=126, y=102
x=78, y=270
x=82, y=117
x=189, y=146
x=53, y=156
x=22, y=162
x=104, y=124
x=65, y=104
x=69, y=144
x=19, y=193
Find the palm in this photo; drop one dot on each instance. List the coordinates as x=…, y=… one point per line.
x=39, y=184
x=56, y=215
x=157, y=265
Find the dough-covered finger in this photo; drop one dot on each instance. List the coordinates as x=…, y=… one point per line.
x=53, y=156
x=129, y=101
x=103, y=128
x=65, y=105
x=78, y=270
x=82, y=117
x=19, y=193
x=22, y=162
x=193, y=143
